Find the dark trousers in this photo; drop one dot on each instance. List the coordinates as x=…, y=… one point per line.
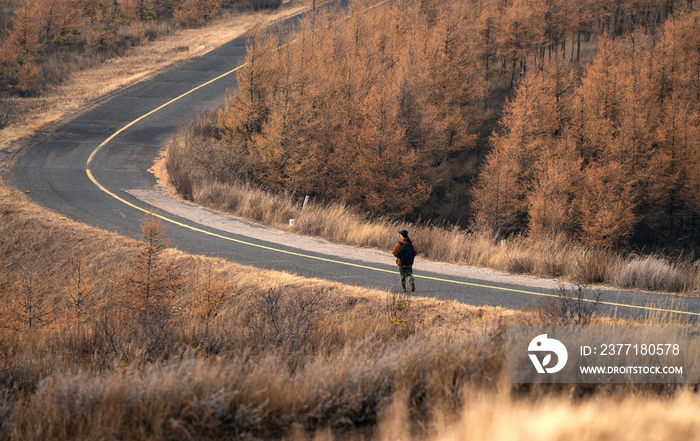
x=406, y=273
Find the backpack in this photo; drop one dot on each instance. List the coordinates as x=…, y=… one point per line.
x=407, y=254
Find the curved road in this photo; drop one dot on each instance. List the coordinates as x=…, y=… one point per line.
x=84, y=167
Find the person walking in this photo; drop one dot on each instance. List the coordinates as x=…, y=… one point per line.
x=405, y=252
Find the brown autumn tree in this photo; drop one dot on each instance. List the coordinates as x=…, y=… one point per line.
x=190, y=13
x=25, y=39
x=26, y=305
x=497, y=196
x=248, y=109
x=674, y=164
x=600, y=101
x=79, y=293
x=212, y=292
x=527, y=155
x=550, y=199
x=26, y=34
x=38, y=26
x=675, y=158
x=519, y=35
x=606, y=213
x=141, y=10
x=141, y=310
x=101, y=23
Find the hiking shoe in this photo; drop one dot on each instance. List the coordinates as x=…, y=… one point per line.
x=413, y=286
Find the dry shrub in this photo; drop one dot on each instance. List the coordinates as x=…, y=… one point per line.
x=195, y=159
x=575, y=307
x=342, y=224
x=400, y=314
x=29, y=304
x=177, y=162
x=218, y=196
x=519, y=263
x=441, y=242
x=192, y=13
x=284, y=319
x=651, y=273
x=482, y=249
x=213, y=290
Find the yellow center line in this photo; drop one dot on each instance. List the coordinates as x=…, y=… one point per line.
x=291, y=253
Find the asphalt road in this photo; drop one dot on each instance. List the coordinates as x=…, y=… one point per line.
x=118, y=139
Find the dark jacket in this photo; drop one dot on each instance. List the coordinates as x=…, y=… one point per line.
x=397, y=251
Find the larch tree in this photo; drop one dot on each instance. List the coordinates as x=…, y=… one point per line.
x=498, y=195
x=537, y=162
x=639, y=111
x=530, y=123
x=191, y=13
x=672, y=194
x=519, y=33
x=141, y=310
x=26, y=39
x=386, y=171
x=600, y=102
x=212, y=292
x=550, y=198
x=28, y=307
x=248, y=109
x=607, y=124
x=605, y=206
x=80, y=293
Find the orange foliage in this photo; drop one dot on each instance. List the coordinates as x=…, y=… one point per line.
x=357, y=110
x=140, y=311
x=196, y=12
x=613, y=154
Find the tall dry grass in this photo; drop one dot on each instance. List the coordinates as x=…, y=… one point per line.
x=657, y=273
x=210, y=398
x=636, y=416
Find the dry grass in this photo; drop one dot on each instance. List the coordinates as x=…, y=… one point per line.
x=656, y=274
x=634, y=417
x=210, y=398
